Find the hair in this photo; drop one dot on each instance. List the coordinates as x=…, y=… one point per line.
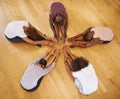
x=79, y=63
x=43, y=62
x=33, y=34
x=88, y=36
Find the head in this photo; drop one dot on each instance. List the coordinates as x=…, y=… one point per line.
x=43, y=63
x=79, y=63
x=58, y=19
x=88, y=36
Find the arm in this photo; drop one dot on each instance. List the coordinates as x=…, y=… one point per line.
x=79, y=36
x=63, y=31
x=52, y=56
x=49, y=55
x=64, y=27
x=72, y=56
x=56, y=35
x=69, y=70
x=67, y=62
x=51, y=24
x=66, y=23
x=43, y=42
x=79, y=44
x=53, y=59
x=89, y=43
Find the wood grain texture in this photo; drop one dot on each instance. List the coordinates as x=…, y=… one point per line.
x=14, y=58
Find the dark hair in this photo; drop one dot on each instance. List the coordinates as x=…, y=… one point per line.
x=33, y=34
x=88, y=36
x=43, y=62
x=79, y=63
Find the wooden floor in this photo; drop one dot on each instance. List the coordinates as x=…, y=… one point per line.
x=14, y=58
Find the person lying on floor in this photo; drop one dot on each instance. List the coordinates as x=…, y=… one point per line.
x=92, y=36
x=39, y=68
x=58, y=19
x=23, y=31
x=81, y=71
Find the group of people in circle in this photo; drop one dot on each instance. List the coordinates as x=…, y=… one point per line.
x=79, y=68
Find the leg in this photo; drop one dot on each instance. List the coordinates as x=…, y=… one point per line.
x=72, y=56
x=67, y=59
x=78, y=39
x=62, y=28
x=56, y=35
x=74, y=37
x=67, y=62
x=65, y=52
x=53, y=58
x=49, y=54
x=78, y=43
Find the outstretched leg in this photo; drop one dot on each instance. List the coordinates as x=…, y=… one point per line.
x=62, y=28
x=56, y=35
x=72, y=56
x=52, y=56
